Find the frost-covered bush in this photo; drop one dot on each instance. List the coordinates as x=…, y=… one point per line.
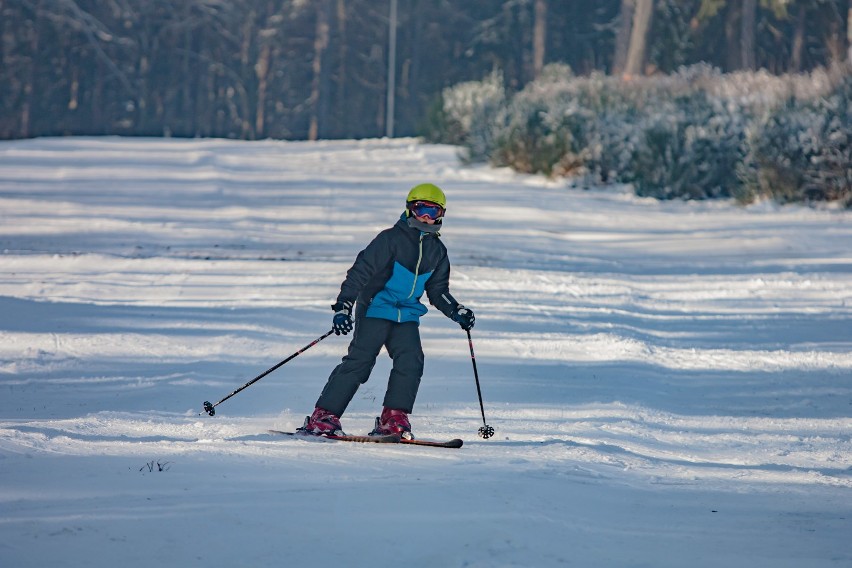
x=470, y=115
x=666, y=135
x=688, y=149
x=563, y=125
x=611, y=113
x=694, y=134
x=545, y=127
x=802, y=151
x=534, y=138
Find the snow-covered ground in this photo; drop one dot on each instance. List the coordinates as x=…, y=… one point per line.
x=671, y=383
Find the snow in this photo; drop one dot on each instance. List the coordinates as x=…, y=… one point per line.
x=670, y=382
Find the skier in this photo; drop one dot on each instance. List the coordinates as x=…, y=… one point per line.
x=385, y=284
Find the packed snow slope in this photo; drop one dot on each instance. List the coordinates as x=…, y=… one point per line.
x=671, y=383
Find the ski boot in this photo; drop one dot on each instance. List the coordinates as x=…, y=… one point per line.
x=393, y=421
x=322, y=423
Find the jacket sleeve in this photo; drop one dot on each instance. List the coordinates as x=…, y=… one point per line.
x=369, y=261
x=438, y=289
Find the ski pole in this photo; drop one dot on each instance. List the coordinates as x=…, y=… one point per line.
x=485, y=431
x=210, y=408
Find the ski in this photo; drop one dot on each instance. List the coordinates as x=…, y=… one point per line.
x=379, y=439
x=454, y=443
x=389, y=439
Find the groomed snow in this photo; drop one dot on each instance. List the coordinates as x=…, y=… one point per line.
x=671, y=383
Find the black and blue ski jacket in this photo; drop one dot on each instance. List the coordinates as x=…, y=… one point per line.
x=390, y=275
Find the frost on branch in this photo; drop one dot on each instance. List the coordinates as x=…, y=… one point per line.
x=694, y=134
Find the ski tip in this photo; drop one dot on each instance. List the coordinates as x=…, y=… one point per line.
x=282, y=432
x=454, y=443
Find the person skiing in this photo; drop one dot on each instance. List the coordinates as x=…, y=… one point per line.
x=385, y=285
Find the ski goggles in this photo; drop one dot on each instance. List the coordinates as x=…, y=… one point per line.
x=426, y=209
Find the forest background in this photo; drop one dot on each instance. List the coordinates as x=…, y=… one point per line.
x=468, y=72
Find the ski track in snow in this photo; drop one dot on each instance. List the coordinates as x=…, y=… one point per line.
x=622, y=343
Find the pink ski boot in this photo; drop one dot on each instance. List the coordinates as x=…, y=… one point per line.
x=393, y=421
x=322, y=423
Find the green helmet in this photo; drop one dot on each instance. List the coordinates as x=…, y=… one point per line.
x=427, y=192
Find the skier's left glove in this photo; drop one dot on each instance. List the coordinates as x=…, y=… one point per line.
x=342, y=322
x=464, y=317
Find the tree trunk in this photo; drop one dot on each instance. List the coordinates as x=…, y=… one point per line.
x=29, y=83
x=622, y=40
x=320, y=43
x=244, y=112
x=638, y=37
x=261, y=69
x=732, y=55
x=849, y=34
x=340, y=112
x=834, y=41
x=748, y=58
x=185, y=125
x=798, y=41
x=539, y=36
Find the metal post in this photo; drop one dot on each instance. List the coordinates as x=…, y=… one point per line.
x=391, y=70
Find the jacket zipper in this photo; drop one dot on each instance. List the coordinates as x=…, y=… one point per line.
x=416, y=272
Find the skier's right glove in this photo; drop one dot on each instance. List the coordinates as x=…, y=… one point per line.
x=464, y=317
x=342, y=322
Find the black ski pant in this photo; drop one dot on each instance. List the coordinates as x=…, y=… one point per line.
x=402, y=341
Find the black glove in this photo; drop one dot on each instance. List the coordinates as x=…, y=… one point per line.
x=342, y=322
x=464, y=317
